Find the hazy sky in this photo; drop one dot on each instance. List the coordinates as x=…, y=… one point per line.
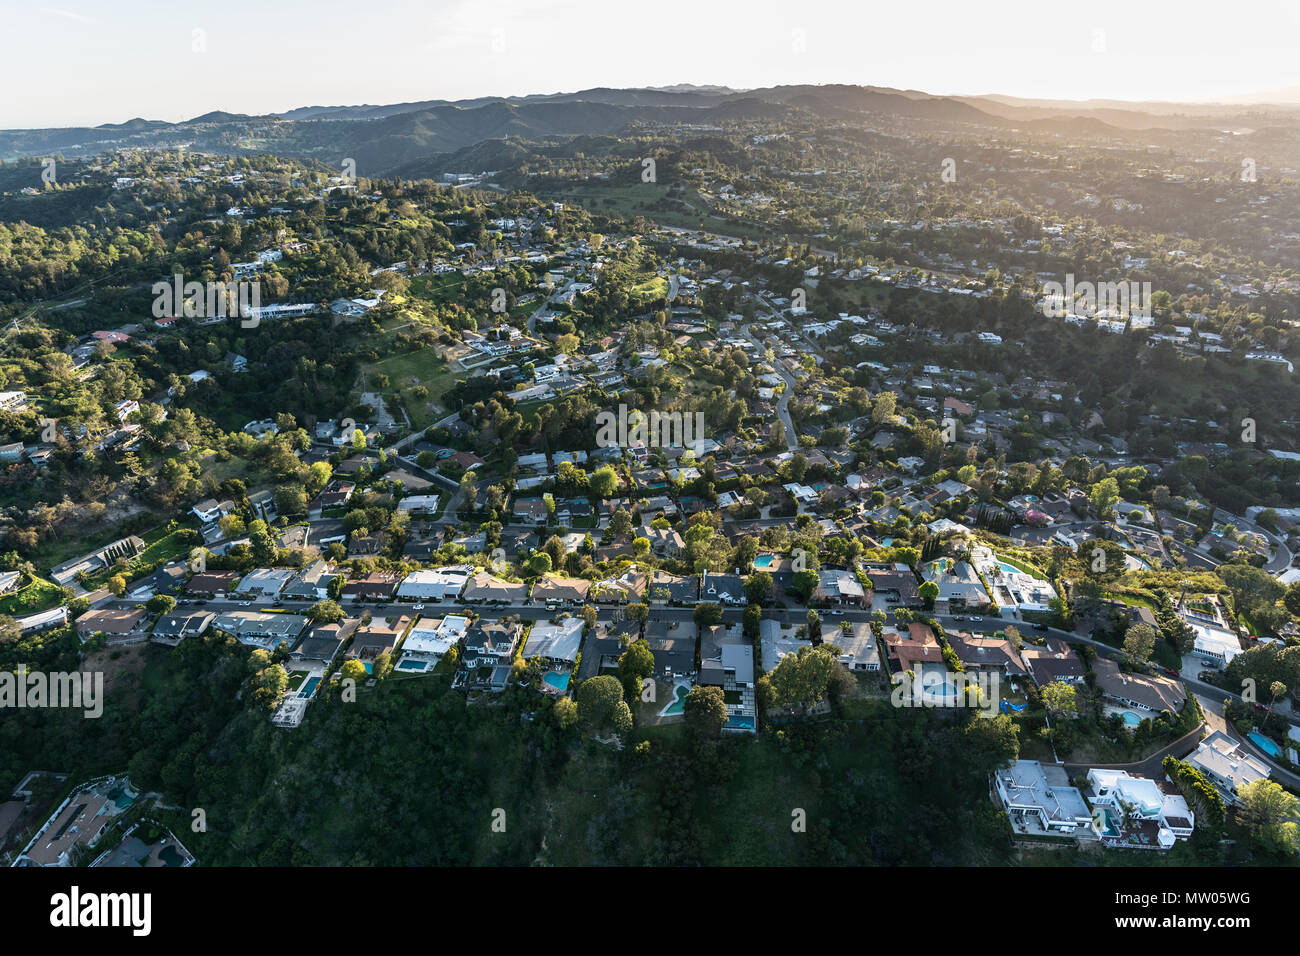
x=82, y=62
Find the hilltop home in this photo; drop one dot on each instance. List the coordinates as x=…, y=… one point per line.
x=323, y=642
x=119, y=626
x=1038, y=799
x=1054, y=661
x=558, y=642
x=173, y=628
x=859, y=650
x=1227, y=764
x=1145, y=691
x=1136, y=812
x=489, y=643
x=378, y=637
x=260, y=629
x=430, y=640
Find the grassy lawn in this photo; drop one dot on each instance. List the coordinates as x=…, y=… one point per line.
x=37, y=595
x=438, y=288
x=644, y=199
x=417, y=368
x=161, y=548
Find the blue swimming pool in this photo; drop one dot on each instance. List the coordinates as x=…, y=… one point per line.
x=764, y=560
x=310, y=687
x=1106, y=822
x=1131, y=718
x=557, y=680
x=741, y=723
x=1264, y=744
x=412, y=665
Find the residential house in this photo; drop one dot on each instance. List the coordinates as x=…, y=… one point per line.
x=1136, y=812
x=558, y=590
x=555, y=642
x=1227, y=764
x=438, y=584
x=118, y=625
x=1149, y=692
x=483, y=587
x=1053, y=661
x=1039, y=799
x=173, y=628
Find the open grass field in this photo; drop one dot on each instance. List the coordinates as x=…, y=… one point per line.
x=406, y=372
x=650, y=200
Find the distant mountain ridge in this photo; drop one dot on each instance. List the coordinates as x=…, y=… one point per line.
x=383, y=138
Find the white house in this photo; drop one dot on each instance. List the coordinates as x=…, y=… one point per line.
x=438, y=584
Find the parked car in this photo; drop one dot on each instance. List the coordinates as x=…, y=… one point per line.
x=1171, y=672
x=418, y=607
x=1040, y=627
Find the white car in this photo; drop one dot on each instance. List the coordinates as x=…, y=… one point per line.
x=418, y=607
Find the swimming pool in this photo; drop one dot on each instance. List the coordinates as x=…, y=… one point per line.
x=1130, y=718
x=1106, y=822
x=1264, y=744
x=764, y=560
x=678, y=704
x=412, y=665
x=741, y=723
x=309, y=688
x=560, y=681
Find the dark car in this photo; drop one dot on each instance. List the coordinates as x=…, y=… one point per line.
x=1040, y=627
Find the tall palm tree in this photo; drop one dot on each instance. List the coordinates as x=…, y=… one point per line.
x=1277, y=689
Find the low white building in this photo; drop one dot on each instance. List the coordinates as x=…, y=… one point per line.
x=1137, y=810
x=439, y=584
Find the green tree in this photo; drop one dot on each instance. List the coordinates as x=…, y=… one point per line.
x=1059, y=699
x=161, y=604
x=1268, y=812
x=354, y=670
x=929, y=592
x=758, y=587
x=326, y=612
x=1140, y=641
x=601, y=705
x=634, y=664
x=1103, y=496
x=705, y=710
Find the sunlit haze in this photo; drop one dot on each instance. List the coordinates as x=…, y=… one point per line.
x=86, y=63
